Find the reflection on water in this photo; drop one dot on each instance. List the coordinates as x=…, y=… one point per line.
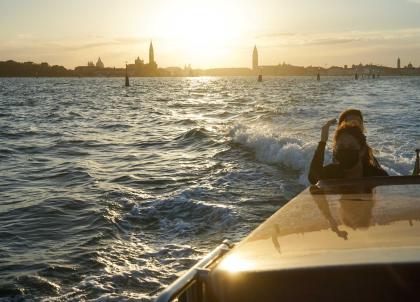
x=108, y=192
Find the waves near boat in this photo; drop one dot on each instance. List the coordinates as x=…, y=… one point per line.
x=110, y=192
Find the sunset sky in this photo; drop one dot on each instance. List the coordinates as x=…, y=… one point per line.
x=211, y=33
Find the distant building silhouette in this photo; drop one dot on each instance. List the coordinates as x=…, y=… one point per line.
x=255, y=58
x=11, y=68
x=151, y=53
x=139, y=68
x=99, y=63
x=138, y=61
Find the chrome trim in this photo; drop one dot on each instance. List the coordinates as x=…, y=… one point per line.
x=189, y=286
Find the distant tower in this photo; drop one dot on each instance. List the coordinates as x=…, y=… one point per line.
x=151, y=53
x=255, y=58
x=99, y=63
x=398, y=63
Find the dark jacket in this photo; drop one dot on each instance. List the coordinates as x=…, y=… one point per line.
x=317, y=171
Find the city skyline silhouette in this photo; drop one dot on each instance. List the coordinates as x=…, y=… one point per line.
x=140, y=68
x=211, y=34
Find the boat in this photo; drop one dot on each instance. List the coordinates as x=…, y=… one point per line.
x=339, y=240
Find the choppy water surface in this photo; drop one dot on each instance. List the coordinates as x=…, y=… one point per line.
x=108, y=192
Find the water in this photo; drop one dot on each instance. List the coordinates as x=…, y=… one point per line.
x=108, y=192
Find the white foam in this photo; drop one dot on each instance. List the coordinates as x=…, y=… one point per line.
x=396, y=164
x=273, y=147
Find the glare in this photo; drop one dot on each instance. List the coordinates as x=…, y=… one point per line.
x=202, y=30
x=233, y=264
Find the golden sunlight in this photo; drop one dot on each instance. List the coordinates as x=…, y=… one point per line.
x=234, y=264
x=200, y=29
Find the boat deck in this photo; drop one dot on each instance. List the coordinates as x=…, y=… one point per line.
x=330, y=236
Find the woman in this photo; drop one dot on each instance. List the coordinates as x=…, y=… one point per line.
x=353, y=156
x=352, y=117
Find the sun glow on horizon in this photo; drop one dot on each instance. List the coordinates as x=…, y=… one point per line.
x=201, y=30
x=211, y=34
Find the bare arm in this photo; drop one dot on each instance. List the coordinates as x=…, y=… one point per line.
x=317, y=163
x=325, y=130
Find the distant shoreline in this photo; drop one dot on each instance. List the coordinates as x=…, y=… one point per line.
x=205, y=76
x=29, y=69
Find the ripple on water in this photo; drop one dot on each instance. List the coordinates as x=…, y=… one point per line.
x=109, y=192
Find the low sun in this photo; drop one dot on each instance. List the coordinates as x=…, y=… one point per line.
x=201, y=29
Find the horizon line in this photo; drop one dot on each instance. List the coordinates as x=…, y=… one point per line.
x=223, y=67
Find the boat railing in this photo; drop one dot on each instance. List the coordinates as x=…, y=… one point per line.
x=190, y=286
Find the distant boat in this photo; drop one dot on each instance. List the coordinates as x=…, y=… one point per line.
x=260, y=78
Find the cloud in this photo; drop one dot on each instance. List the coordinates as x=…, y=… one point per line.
x=331, y=41
x=120, y=41
x=25, y=41
x=28, y=47
x=132, y=40
x=338, y=38
x=275, y=35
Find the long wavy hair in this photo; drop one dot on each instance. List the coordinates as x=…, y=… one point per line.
x=356, y=132
x=346, y=113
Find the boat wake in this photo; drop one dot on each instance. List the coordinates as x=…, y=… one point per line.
x=272, y=147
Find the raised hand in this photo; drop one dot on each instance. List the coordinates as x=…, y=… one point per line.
x=326, y=129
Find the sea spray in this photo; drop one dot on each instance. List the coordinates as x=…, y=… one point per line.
x=276, y=148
